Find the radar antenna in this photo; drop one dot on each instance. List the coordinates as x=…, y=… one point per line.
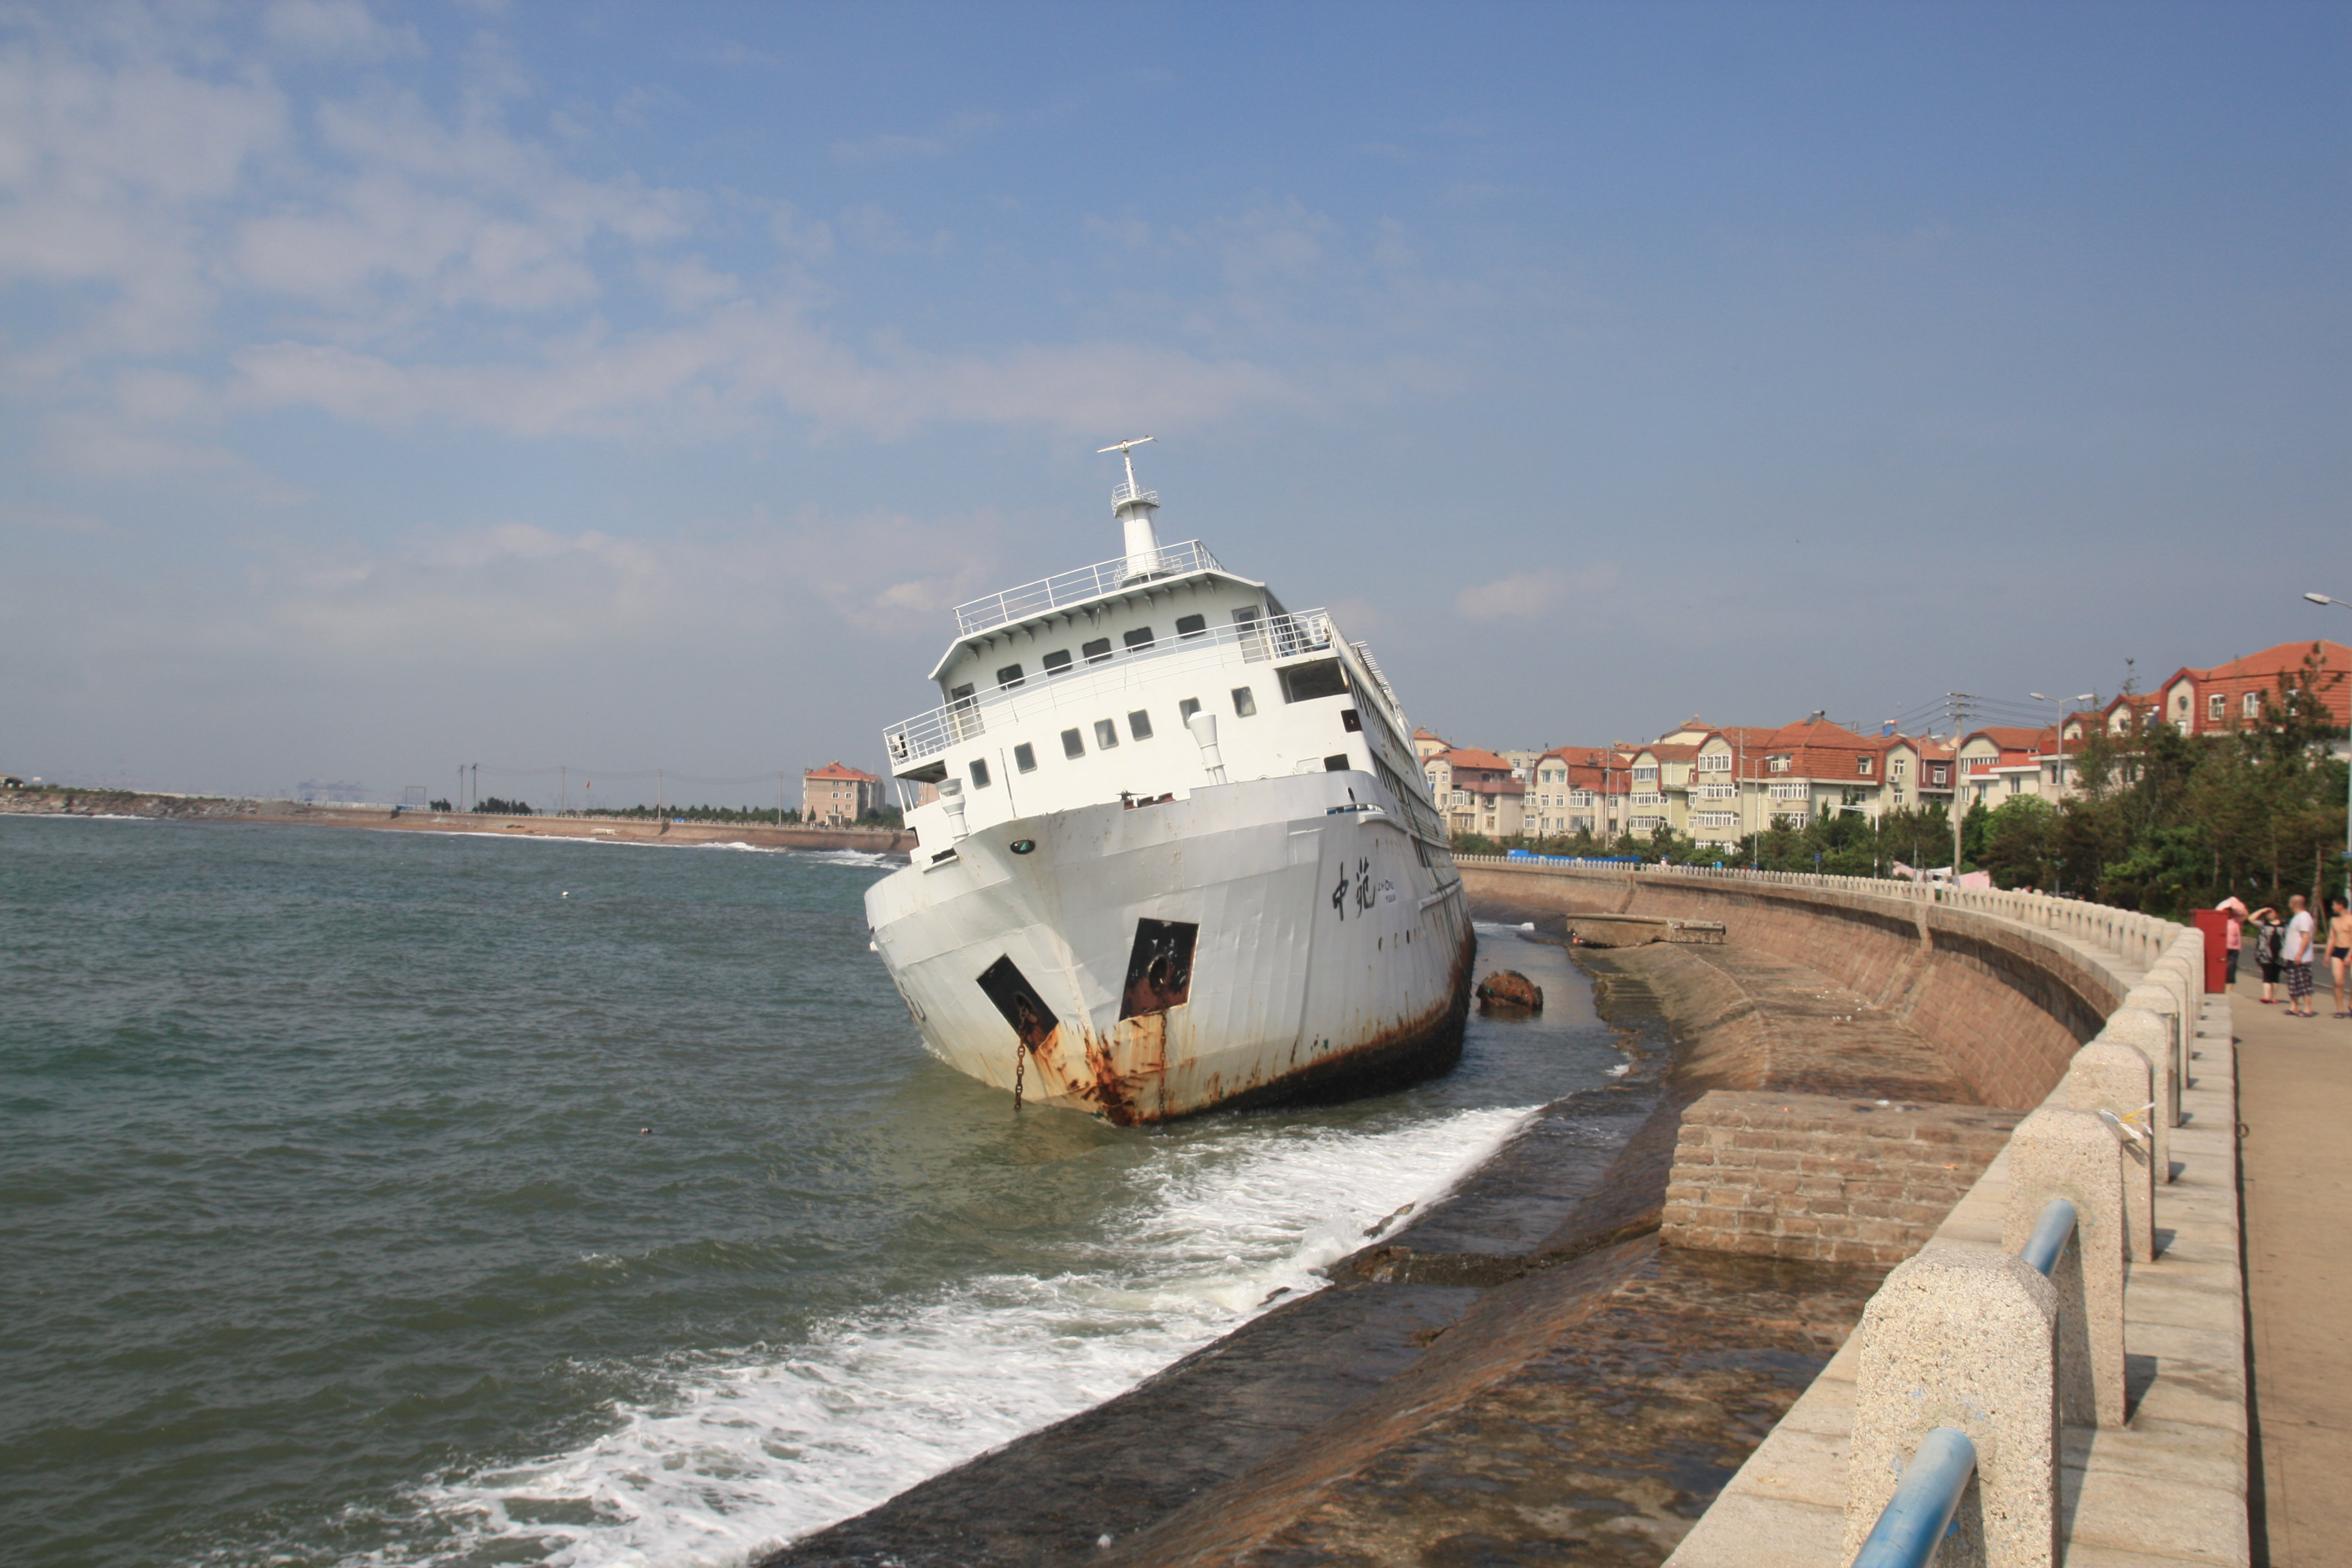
x=1133, y=506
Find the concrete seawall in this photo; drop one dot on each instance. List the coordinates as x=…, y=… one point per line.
x=2005, y=987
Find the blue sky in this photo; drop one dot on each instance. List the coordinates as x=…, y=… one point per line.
x=623, y=386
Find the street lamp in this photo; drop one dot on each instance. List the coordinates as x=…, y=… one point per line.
x=2324, y=599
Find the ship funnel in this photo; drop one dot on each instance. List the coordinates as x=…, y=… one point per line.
x=1133, y=505
x=1204, y=735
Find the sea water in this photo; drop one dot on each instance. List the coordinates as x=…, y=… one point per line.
x=397, y=1197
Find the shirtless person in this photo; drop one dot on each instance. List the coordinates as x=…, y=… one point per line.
x=2339, y=950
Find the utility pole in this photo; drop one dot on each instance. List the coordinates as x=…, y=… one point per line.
x=1962, y=704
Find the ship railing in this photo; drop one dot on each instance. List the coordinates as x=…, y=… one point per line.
x=1266, y=639
x=1076, y=587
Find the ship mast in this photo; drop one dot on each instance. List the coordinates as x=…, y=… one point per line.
x=1133, y=506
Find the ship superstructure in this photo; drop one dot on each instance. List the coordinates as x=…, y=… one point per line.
x=1178, y=852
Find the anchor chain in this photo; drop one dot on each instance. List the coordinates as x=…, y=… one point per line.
x=1020, y=1063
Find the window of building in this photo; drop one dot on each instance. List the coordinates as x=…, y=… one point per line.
x=1186, y=708
x=2251, y=705
x=1191, y=625
x=1073, y=743
x=1097, y=651
x=2216, y=707
x=1580, y=797
x=980, y=779
x=1244, y=704
x=1778, y=764
x=1105, y=735
x=1141, y=637
x=1008, y=676
x=1058, y=662
x=1862, y=766
x=1940, y=774
x=1645, y=776
x=1025, y=757
x=1139, y=725
x=1898, y=766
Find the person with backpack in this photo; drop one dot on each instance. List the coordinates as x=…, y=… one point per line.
x=2267, y=930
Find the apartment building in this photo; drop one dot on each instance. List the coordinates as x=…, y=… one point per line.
x=1478, y=790
x=2230, y=696
x=1578, y=789
x=836, y=794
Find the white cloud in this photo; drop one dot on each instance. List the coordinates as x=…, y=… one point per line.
x=336, y=28
x=1527, y=594
x=891, y=146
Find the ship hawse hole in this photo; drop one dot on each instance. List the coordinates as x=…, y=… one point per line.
x=1244, y=704
x=1058, y=662
x=979, y=773
x=1025, y=757
x=1160, y=969
x=1105, y=735
x=1010, y=676
x=1096, y=651
x=1018, y=1001
x=1073, y=743
x=1139, y=725
x=1351, y=720
x=1304, y=682
x=1140, y=637
x=1337, y=764
x=1191, y=625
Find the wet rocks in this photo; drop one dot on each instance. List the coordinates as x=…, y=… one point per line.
x=1508, y=991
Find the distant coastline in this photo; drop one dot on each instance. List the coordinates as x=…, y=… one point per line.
x=50, y=802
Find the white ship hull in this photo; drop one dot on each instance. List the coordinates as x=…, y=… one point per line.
x=1324, y=953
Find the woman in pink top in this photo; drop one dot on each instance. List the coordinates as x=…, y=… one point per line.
x=2237, y=937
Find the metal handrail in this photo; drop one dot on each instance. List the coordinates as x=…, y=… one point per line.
x=1919, y=1515
x=1085, y=582
x=1268, y=639
x=2051, y=1234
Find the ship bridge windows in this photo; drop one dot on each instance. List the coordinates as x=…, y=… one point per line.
x=1336, y=764
x=1098, y=651
x=1139, y=725
x=1009, y=676
x=1105, y=735
x=1025, y=757
x=1191, y=625
x=1245, y=702
x=1317, y=678
x=1057, y=663
x=1073, y=743
x=1141, y=637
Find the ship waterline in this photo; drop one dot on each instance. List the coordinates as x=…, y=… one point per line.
x=1178, y=854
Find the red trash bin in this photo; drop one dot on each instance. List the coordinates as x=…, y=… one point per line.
x=2216, y=927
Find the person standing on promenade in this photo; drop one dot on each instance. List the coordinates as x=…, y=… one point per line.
x=2267, y=927
x=2339, y=949
x=2294, y=953
x=2235, y=925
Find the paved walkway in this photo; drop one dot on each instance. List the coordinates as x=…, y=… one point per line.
x=2294, y=1097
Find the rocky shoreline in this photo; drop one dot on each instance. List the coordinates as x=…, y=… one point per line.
x=618, y=829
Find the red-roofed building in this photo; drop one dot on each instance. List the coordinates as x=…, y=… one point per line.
x=2230, y=696
x=1477, y=791
x=1578, y=789
x=836, y=794
x=1427, y=743
x=2003, y=760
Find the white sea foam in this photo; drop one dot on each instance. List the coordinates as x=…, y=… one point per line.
x=755, y=1449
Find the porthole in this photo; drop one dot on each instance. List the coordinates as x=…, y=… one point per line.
x=1022, y=846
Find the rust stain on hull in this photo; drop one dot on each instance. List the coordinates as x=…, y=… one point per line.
x=1402, y=1055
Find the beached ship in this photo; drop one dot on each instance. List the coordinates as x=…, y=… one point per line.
x=1175, y=851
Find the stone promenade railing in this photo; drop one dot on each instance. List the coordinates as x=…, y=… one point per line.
x=2104, y=1407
